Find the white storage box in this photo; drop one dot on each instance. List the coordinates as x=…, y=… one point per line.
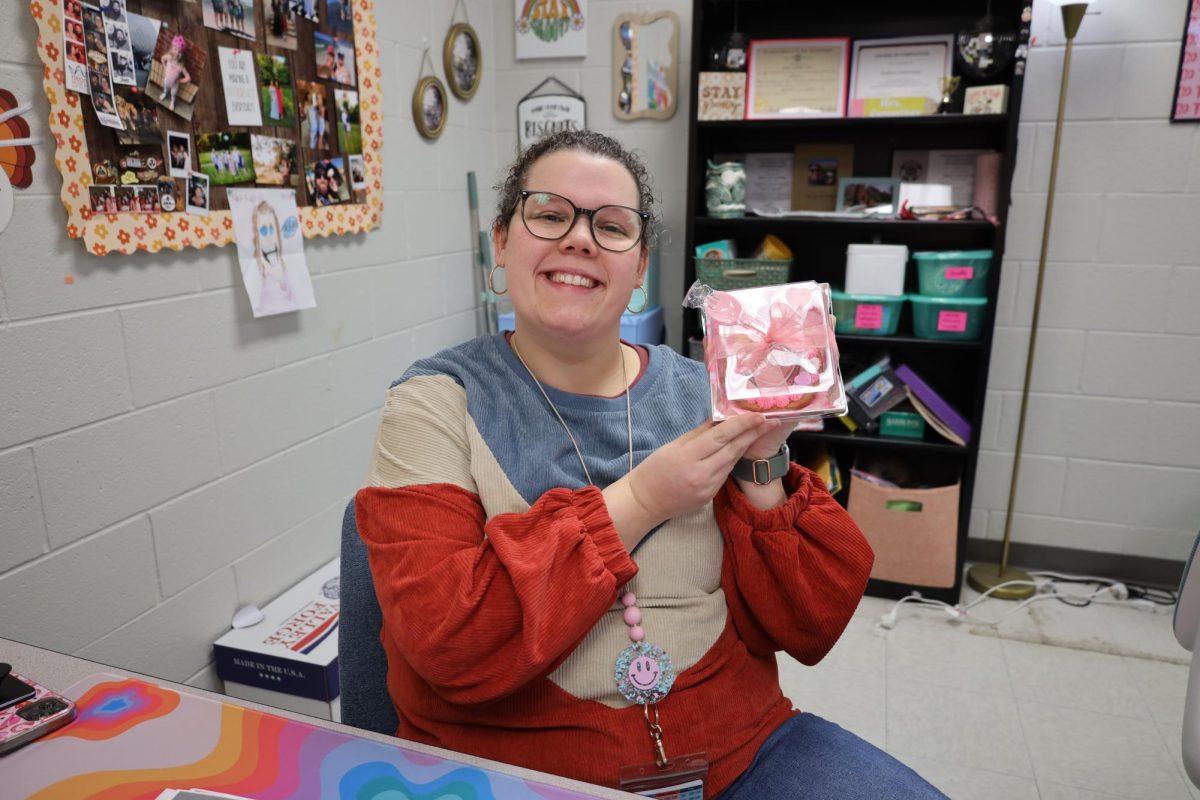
x=289, y=660
x=875, y=268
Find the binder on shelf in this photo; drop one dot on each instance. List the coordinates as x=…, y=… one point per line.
x=940, y=415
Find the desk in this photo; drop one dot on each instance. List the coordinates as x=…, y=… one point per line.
x=488, y=778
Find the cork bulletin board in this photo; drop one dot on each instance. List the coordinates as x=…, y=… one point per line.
x=275, y=71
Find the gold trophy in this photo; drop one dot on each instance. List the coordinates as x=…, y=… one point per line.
x=949, y=87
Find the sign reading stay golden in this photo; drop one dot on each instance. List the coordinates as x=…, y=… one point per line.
x=722, y=95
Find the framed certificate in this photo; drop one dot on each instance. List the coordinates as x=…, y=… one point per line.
x=793, y=78
x=909, y=68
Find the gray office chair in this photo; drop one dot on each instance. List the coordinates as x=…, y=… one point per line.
x=362, y=664
x=1187, y=631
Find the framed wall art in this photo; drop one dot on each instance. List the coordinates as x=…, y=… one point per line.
x=462, y=58
x=797, y=78
x=1187, y=79
x=646, y=65
x=192, y=98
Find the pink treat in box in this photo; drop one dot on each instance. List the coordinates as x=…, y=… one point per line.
x=771, y=349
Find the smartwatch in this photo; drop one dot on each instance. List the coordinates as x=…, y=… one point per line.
x=763, y=470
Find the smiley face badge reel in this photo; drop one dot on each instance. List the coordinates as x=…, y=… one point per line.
x=644, y=675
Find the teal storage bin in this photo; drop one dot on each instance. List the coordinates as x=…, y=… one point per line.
x=867, y=314
x=949, y=318
x=953, y=273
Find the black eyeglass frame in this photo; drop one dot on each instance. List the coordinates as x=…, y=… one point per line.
x=644, y=216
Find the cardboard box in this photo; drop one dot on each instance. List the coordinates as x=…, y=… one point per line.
x=289, y=660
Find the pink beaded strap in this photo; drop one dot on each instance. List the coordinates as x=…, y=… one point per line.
x=633, y=617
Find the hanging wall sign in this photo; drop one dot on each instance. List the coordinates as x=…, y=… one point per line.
x=539, y=115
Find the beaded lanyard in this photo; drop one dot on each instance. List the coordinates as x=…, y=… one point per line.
x=643, y=672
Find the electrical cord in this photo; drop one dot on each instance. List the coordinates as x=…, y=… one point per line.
x=1108, y=592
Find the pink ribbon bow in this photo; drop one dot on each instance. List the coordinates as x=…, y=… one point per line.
x=792, y=326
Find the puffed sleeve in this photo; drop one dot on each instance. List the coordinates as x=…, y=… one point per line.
x=792, y=575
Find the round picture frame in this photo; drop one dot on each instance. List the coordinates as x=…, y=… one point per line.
x=466, y=71
x=431, y=120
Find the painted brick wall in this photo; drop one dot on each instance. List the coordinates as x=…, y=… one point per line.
x=1112, y=440
x=165, y=457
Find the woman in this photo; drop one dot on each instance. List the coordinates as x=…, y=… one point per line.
x=549, y=514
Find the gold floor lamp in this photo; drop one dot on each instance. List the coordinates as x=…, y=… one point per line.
x=983, y=577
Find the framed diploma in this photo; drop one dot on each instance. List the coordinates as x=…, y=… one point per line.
x=909, y=69
x=794, y=78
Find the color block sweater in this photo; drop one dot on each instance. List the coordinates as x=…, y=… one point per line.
x=498, y=571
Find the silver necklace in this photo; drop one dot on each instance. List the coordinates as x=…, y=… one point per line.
x=563, y=422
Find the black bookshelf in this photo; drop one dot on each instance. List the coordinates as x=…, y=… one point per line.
x=957, y=370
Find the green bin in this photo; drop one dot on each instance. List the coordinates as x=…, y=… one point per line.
x=953, y=273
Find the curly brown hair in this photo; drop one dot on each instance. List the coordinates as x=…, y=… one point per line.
x=508, y=192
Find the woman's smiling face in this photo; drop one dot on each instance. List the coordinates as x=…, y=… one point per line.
x=571, y=288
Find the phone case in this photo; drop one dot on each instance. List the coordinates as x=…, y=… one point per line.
x=44, y=712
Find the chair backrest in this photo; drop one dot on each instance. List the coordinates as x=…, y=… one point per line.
x=362, y=664
x=1187, y=628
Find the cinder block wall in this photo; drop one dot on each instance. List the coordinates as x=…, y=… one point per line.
x=165, y=457
x=1112, y=441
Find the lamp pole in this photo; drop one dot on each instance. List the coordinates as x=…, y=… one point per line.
x=985, y=577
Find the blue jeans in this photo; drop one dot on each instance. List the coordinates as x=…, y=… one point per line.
x=810, y=757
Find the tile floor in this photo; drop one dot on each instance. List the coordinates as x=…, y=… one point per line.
x=1056, y=703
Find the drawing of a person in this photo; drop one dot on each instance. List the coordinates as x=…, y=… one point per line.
x=276, y=293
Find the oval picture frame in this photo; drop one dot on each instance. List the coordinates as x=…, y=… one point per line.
x=463, y=73
x=429, y=121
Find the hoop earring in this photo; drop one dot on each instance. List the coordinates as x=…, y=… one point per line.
x=645, y=301
x=492, y=280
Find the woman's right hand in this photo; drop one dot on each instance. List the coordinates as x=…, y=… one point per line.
x=682, y=476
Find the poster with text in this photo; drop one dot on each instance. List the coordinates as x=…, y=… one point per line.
x=266, y=225
x=551, y=28
x=241, y=90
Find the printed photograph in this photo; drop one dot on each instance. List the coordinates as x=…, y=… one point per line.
x=226, y=158
x=175, y=72
x=856, y=194
x=122, y=67
x=230, y=16
x=340, y=15
x=197, y=194
x=335, y=58
x=326, y=182
x=306, y=9
x=179, y=150
x=823, y=172
x=274, y=160
x=275, y=90
x=75, y=53
x=118, y=35
x=140, y=115
x=314, y=130
x=349, y=134
x=73, y=9
x=74, y=29
x=358, y=172
x=281, y=25
x=103, y=199
x=143, y=36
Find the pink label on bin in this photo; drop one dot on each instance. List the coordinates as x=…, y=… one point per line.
x=868, y=317
x=952, y=321
x=959, y=273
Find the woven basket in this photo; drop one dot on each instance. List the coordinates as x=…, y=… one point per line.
x=724, y=274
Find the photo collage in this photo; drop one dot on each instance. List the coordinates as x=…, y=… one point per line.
x=285, y=112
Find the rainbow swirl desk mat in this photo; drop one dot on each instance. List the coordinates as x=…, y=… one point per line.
x=133, y=739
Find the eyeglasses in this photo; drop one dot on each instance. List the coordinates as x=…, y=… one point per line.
x=551, y=216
